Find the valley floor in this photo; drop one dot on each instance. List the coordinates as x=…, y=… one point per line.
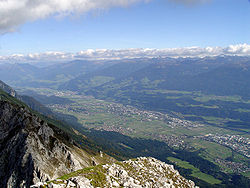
x=227, y=149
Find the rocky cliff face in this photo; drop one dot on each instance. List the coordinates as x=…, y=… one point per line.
x=32, y=151
x=7, y=89
x=136, y=173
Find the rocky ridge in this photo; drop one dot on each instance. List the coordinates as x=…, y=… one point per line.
x=7, y=89
x=32, y=150
x=141, y=172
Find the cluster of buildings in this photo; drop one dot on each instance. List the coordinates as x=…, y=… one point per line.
x=235, y=142
x=234, y=166
x=145, y=115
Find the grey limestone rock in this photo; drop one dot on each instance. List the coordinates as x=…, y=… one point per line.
x=7, y=89
x=141, y=172
x=32, y=151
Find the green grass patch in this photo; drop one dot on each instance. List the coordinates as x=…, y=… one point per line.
x=167, y=92
x=246, y=174
x=126, y=146
x=212, y=150
x=243, y=110
x=94, y=174
x=204, y=106
x=206, y=98
x=195, y=171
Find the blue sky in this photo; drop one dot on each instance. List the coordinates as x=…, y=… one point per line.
x=156, y=24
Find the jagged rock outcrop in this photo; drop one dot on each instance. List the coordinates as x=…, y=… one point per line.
x=143, y=172
x=30, y=101
x=7, y=89
x=32, y=150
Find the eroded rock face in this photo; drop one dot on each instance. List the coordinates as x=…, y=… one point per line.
x=32, y=151
x=138, y=173
x=145, y=172
x=7, y=89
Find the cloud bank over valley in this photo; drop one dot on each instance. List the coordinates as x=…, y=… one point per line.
x=107, y=54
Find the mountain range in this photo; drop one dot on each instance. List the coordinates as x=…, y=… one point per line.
x=190, y=112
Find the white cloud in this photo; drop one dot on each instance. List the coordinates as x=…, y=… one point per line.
x=14, y=13
x=240, y=49
x=106, y=54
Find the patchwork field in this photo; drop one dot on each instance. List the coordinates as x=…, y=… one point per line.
x=195, y=171
x=210, y=138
